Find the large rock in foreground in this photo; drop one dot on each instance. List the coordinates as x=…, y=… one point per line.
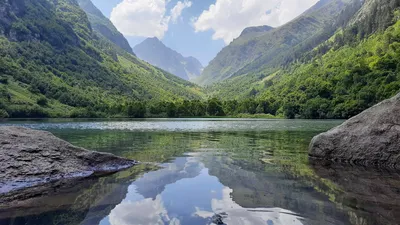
x=30, y=157
x=371, y=138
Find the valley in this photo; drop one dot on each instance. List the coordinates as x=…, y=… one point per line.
x=333, y=61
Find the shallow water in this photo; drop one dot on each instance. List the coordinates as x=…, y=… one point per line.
x=210, y=171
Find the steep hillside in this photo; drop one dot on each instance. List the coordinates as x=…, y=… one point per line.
x=53, y=64
x=273, y=47
x=152, y=50
x=103, y=26
x=354, y=69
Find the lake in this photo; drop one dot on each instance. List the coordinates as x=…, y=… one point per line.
x=210, y=171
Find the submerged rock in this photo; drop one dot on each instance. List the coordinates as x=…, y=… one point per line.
x=371, y=138
x=30, y=158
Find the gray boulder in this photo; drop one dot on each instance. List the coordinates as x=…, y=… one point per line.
x=371, y=138
x=30, y=158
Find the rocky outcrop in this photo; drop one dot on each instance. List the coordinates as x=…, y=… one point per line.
x=30, y=158
x=371, y=138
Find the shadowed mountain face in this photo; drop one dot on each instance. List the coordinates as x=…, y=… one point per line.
x=156, y=53
x=103, y=27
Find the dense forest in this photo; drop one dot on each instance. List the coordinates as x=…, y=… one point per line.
x=357, y=67
x=185, y=108
x=53, y=64
x=60, y=60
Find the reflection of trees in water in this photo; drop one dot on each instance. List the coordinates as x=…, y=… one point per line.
x=255, y=187
x=160, y=147
x=264, y=169
x=374, y=193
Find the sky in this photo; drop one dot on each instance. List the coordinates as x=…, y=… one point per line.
x=198, y=28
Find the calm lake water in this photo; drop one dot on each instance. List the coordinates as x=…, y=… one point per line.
x=204, y=171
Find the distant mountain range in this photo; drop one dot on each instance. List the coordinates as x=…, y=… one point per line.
x=261, y=47
x=153, y=51
x=65, y=58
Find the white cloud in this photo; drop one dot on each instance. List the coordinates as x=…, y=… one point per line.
x=177, y=10
x=145, y=18
x=228, y=18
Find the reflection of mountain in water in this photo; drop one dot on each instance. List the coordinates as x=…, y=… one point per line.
x=374, y=193
x=145, y=201
x=255, y=187
x=227, y=211
x=154, y=199
x=154, y=183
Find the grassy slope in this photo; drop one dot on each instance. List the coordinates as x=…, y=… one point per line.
x=354, y=69
x=344, y=81
x=255, y=52
x=50, y=51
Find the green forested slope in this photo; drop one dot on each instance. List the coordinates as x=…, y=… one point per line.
x=344, y=81
x=272, y=48
x=53, y=64
x=356, y=68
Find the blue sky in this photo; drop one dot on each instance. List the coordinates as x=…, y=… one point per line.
x=199, y=28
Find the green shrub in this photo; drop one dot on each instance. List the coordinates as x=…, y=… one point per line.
x=3, y=114
x=4, y=80
x=42, y=101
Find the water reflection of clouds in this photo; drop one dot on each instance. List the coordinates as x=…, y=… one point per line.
x=233, y=214
x=146, y=211
x=201, y=198
x=144, y=203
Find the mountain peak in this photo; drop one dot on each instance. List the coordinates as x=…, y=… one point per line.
x=155, y=52
x=153, y=39
x=258, y=29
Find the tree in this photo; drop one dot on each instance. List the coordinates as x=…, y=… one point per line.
x=3, y=114
x=42, y=101
x=136, y=109
x=214, y=107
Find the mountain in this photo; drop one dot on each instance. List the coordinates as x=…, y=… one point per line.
x=53, y=63
x=255, y=30
x=152, y=50
x=103, y=26
x=263, y=47
x=354, y=68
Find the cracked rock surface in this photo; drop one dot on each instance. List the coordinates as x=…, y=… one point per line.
x=31, y=157
x=371, y=138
